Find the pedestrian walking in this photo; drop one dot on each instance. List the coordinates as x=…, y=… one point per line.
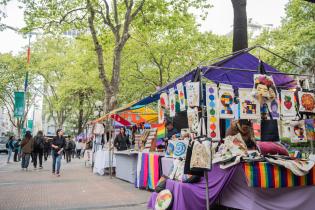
x=17, y=150
x=73, y=146
x=38, y=149
x=27, y=146
x=10, y=147
x=57, y=146
x=46, y=149
x=78, y=147
x=68, y=150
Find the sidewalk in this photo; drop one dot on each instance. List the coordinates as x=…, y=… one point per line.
x=77, y=188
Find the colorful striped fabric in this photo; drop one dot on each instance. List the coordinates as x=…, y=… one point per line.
x=161, y=131
x=267, y=175
x=149, y=172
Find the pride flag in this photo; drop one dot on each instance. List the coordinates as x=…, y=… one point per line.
x=161, y=131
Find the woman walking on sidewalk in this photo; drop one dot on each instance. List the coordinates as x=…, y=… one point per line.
x=27, y=148
x=57, y=146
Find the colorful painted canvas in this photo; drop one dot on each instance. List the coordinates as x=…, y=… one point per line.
x=172, y=102
x=181, y=96
x=298, y=133
x=193, y=119
x=288, y=104
x=170, y=148
x=193, y=96
x=307, y=102
x=249, y=106
x=310, y=129
x=274, y=107
x=264, y=88
x=212, y=101
x=164, y=101
x=226, y=98
x=181, y=149
x=161, y=113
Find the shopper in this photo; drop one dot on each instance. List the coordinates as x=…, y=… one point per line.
x=46, y=149
x=78, y=147
x=38, y=149
x=17, y=149
x=27, y=145
x=68, y=150
x=121, y=141
x=10, y=147
x=73, y=145
x=57, y=146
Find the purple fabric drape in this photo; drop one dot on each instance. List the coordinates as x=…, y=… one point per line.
x=238, y=195
x=192, y=196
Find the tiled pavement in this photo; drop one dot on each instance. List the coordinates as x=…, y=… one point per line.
x=77, y=188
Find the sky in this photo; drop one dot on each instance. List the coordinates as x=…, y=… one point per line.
x=219, y=20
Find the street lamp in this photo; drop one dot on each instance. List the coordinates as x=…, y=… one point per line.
x=98, y=108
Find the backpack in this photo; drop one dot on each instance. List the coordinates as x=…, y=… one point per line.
x=68, y=145
x=39, y=144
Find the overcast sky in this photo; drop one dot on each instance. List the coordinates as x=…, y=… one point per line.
x=219, y=20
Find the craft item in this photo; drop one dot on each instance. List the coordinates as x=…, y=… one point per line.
x=154, y=175
x=307, y=102
x=310, y=129
x=226, y=97
x=193, y=119
x=163, y=200
x=201, y=156
x=274, y=107
x=181, y=149
x=264, y=88
x=181, y=96
x=287, y=104
x=172, y=101
x=164, y=100
x=193, y=96
x=161, y=113
x=213, y=112
x=170, y=148
x=298, y=133
x=249, y=106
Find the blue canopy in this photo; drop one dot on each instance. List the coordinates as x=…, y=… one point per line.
x=237, y=70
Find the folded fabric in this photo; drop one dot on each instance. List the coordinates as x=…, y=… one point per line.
x=272, y=148
x=298, y=167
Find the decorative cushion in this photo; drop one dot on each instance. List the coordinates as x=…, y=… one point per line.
x=272, y=148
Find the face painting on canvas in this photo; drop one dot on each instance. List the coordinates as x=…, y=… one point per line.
x=307, y=102
x=298, y=133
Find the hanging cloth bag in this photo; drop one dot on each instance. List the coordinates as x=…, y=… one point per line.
x=269, y=128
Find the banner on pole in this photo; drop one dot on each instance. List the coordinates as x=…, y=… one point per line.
x=19, y=104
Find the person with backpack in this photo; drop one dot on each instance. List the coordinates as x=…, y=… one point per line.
x=57, y=146
x=46, y=149
x=27, y=146
x=38, y=149
x=10, y=147
x=17, y=149
x=68, y=150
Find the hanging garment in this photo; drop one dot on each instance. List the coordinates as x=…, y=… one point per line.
x=187, y=169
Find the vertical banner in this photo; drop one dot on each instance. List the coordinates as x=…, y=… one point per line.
x=19, y=103
x=172, y=101
x=181, y=96
x=193, y=95
x=213, y=123
x=30, y=125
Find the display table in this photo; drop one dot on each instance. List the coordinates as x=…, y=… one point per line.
x=126, y=168
x=101, y=161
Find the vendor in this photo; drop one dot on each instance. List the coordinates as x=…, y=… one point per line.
x=171, y=130
x=121, y=141
x=245, y=128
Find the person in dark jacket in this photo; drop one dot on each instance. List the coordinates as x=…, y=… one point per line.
x=121, y=141
x=57, y=146
x=17, y=149
x=10, y=147
x=46, y=149
x=38, y=149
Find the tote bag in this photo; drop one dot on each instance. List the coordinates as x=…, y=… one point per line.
x=269, y=128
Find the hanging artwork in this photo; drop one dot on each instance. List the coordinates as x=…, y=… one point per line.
x=307, y=102
x=170, y=148
x=193, y=96
x=226, y=98
x=249, y=106
x=172, y=102
x=161, y=113
x=287, y=104
x=193, y=119
x=181, y=149
x=274, y=107
x=164, y=100
x=181, y=96
x=264, y=88
x=212, y=101
x=310, y=129
x=298, y=133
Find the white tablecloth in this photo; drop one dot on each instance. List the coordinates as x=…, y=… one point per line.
x=101, y=161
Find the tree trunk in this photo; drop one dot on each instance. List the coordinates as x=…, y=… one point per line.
x=81, y=112
x=240, y=39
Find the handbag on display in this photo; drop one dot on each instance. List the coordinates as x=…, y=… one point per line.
x=269, y=128
x=201, y=155
x=187, y=169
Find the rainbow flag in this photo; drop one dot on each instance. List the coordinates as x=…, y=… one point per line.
x=161, y=131
x=267, y=175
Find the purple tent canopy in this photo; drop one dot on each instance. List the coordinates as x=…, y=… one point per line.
x=243, y=79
